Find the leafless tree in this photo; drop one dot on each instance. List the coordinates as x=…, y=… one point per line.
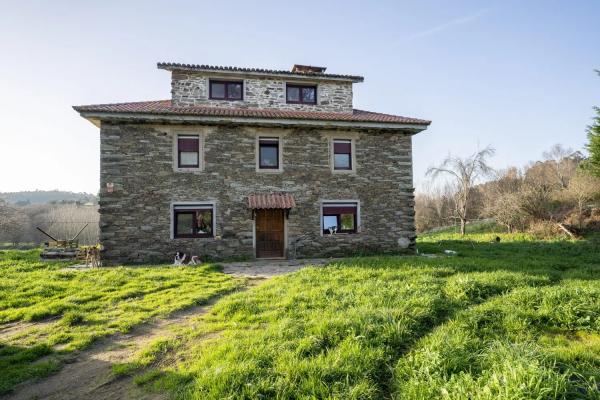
x=13, y=223
x=63, y=221
x=503, y=199
x=563, y=162
x=434, y=207
x=583, y=188
x=464, y=172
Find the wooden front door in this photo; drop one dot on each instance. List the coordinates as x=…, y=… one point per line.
x=269, y=233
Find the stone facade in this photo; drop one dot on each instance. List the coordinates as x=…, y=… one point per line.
x=191, y=89
x=137, y=159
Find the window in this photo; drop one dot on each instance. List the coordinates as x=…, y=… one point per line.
x=193, y=221
x=268, y=153
x=301, y=94
x=188, y=151
x=340, y=217
x=342, y=154
x=222, y=90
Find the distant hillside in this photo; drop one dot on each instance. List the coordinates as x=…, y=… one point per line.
x=47, y=196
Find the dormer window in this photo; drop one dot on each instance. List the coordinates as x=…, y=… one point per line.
x=299, y=94
x=226, y=90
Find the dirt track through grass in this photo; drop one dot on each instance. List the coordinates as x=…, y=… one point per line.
x=47, y=314
x=90, y=374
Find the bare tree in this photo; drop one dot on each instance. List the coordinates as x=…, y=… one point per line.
x=64, y=221
x=583, y=188
x=13, y=223
x=465, y=172
x=434, y=207
x=503, y=199
x=563, y=162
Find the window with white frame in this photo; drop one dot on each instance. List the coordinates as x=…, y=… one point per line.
x=193, y=220
x=187, y=150
x=339, y=217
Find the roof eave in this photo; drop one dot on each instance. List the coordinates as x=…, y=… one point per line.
x=233, y=72
x=96, y=117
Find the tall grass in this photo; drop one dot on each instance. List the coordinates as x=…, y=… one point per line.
x=68, y=310
x=494, y=321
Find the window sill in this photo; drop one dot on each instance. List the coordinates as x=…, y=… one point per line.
x=195, y=238
x=269, y=171
x=178, y=169
x=344, y=171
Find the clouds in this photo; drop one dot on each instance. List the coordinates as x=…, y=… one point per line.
x=450, y=24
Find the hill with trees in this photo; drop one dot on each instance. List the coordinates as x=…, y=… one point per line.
x=47, y=196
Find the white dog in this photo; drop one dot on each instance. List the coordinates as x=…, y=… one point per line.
x=180, y=259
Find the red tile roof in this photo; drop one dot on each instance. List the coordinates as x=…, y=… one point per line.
x=164, y=107
x=169, y=66
x=273, y=200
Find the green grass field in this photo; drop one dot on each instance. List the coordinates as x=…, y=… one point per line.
x=55, y=312
x=519, y=319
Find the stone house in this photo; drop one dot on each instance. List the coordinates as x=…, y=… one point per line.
x=245, y=163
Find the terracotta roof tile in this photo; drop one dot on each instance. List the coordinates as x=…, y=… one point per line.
x=164, y=107
x=203, y=67
x=272, y=200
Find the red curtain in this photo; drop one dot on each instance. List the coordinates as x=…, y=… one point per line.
x=342, y=148
x=188, y=144
x=339, y=210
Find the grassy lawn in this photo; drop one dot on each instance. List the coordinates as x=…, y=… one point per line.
x=52, y=312
x=519, y=319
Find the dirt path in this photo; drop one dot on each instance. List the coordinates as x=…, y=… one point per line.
x=15, y=328
x=88, y=374
x=270, y=268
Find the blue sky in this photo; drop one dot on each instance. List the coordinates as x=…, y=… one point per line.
x=516, y=75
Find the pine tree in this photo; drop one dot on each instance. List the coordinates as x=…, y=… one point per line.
x=592, y=164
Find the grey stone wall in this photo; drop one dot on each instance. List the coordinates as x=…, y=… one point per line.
x=135, y=219
x=189, y=89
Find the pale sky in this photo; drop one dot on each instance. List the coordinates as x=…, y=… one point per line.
x=516, y=75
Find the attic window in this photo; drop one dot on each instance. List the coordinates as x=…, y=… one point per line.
x=226, y=90
x=298, y=94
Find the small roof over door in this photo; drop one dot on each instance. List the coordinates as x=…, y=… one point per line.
x=260, y=201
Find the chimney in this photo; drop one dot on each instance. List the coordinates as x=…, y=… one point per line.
x=307, y=69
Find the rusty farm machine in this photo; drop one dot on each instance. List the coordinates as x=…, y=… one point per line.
x=69, y=249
